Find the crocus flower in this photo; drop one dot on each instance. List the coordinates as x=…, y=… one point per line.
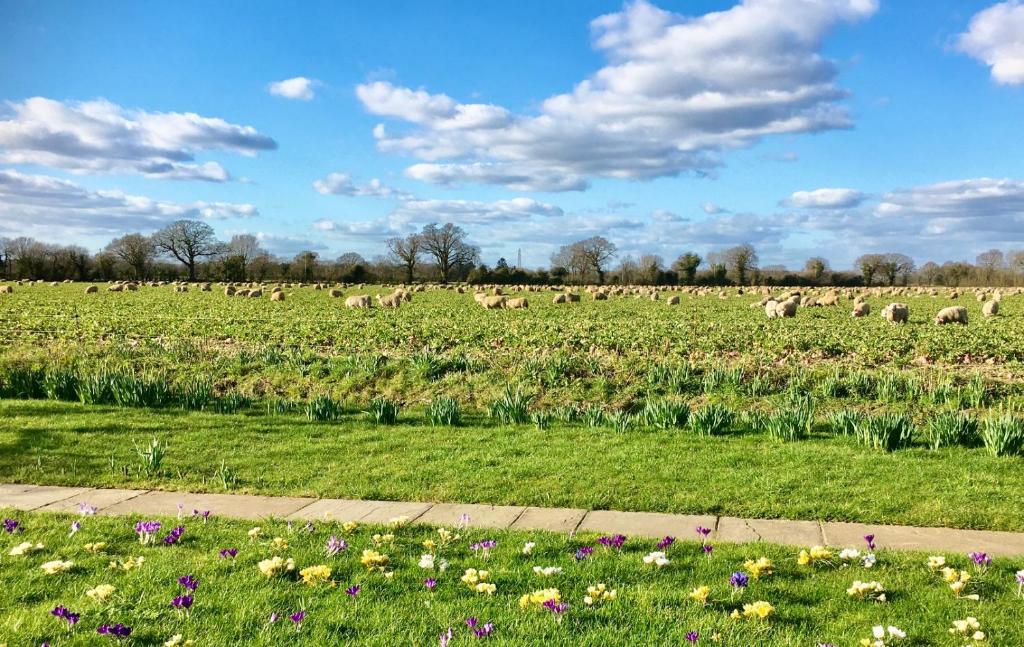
x=146, y=529
x=707, y=548
x=63, y=612
x=739, y=580
x=274, y=617
x=583, y=553
x=666, y=542
x=175, y=534
x=297, y=618
x=118, y=630
x=480, y=631
x=228, y=553
x=75, y=527
x=980, y=559
x=555, y=607
x=615, y=541
x=182, y=602
x=86, y=510
x=703, y=533
x=189, y=582
x=430, y=583
x=353, y=590
x=335, y=546
x=692, y=636
x=445, y=638
x=205, y=514
x=11, y=525
x=870, y=539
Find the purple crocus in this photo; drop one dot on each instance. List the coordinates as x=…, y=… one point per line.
x=445, y=638
x=870, y=539
x=146, y=529
x=614, y=541
x=182, y=602
x=298, y=617
x=75, y=527
x=353, y=590
x=707, y=548
x=703, y=532
x=205, y=514
x=228, y=553
x=430, y=583
x=555, y=607
x=86, y=510
x=485, y=545
x=61, y=611
x=274, y=617
x=11, y=525
x=692, y=636
x=118, y=630
x=480, y=631
x=666, y=542
x=583, y=553
x=335, y=546
x=739, y=580
x=175, y=534
x=980, y=559
x=189, y=582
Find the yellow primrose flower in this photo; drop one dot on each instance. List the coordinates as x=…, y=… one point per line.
x=599, y=593
x=759, y=610
x=447, y=536
x=279, y=543
x=950, y=574
x=56, y=566
x=700, y=595
x=255, y=533
x=539, y=597
x=485, y=587
x=25, y=548
x=373, y=560
x=96, y=547
x=970, y=625
x=313, y=575
x=176, y=641
x=761, y=567
x=100, y=593
x=349, y=526
x=276, y=566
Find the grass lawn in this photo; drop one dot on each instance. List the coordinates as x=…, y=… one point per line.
x=567, y=465
x=233, y=602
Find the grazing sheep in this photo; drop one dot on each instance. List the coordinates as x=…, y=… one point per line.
x=335, y=294
x=672, y=300
x=181, y=288
x=359, y=301
x=990, y=308
x=243, y=293
x=560, y=298
x=519, y=303
x=390, y=300
x=229, y=291
x=255, y=294
x=493, y=303
x=6, y=289
x=952, y=314
x=810, y=302
x=117, y=287
x=92, y=289
x=572, y=297
x=786, y=309
x=769, y=308
x=600, y=296
x=830, y=299
x=277, y=296
x=897, y=313
x=206, y=287
x=861, y=308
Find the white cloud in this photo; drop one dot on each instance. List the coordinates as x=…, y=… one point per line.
x=42, y=205
x=825, y=199
x=664, y=215
x=676, y=92
x=995, y=36
x=342, y=184
x=712, y=209
x=968, y=199
x=102, y=137
x=288, y=245
x=475, y=212
x=299, y=88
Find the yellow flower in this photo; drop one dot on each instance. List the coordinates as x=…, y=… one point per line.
x=700, y=595
x=867, y=590
x=398, y=522
x=100, y=593
x=379, y=539
x=313, y=575
x=279, y=543
x=176, y=641
x=56, y=566
x=485, y=587
x=25, y=548
x=349, y=526
x=472, y=576
x=254, y=533
x=96, y=547
x=759, y=610
x=430, y=545
x=950, y=574
x=762, y=567
x=539, y=597
x=127, y=565
x=373, y=560
x=816, y=554
x=599, y=593
x=936, y=562
x=276, y=566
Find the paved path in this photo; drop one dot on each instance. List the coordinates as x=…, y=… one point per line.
x=643, y=524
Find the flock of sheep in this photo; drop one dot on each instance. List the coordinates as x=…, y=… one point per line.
x=495, y=298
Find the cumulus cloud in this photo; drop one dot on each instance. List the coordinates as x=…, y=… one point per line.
x=41, y=205
x=102, y=137
x=995, y=37
x=343, y=184
x=825, y=199
x=676, y=92
x=712, y=209
x=664, y=215
x=299, y=88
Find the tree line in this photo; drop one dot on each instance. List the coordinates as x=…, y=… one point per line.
x=190, y=250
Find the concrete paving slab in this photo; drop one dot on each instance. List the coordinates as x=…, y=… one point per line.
x=339, y=510
x=38, y=496
x=645, y=524
x=777, y=531
x=226, y=505
x=479, y=516
x=995, y=543
x=385, y=511
x=550, y=519
x=99, y=498
x=13, y=488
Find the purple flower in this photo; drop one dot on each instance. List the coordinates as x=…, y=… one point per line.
x=1020, y=577
x=430, y=583
x=11, y=525
x=480, y=631
x=739, y=580
x=118, y=631
x=703, y=532
x=62, y=612
x=85, y=509
x=274, y=617
x=182, y=602
x=980, y=559
x=557, y=608
x=666, y=542
x=583, y=553
x=146, y=529
x=298, y=617
x=309, y=527
x=446, y=637
x=189, y=582
x=353, y=590
x=75, y=527
x=692, y=636
x=228, y=553
x=826, y=645
x=205, y=514
x=615, y=541
x=707, y=548
x=175, y=534
x=871, y=541
x=335, y=546
x=487, y=544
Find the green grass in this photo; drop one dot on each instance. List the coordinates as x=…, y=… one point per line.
x=234, y=601
x=740, y=473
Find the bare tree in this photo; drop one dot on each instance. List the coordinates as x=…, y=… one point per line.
x=895, y=266
x=989, y=262
x=134, y=250
x=741, y=260
x=651, y=267
x=686, y=266
x=815, y=268
x=188, y=241
x=1015, y=261
x=406, y=252
x=448, y=246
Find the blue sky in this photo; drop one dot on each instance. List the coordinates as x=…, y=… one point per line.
x=804, y=127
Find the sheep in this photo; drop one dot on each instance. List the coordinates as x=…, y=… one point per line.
x=181, y=288
x=243, y=293
x=390, y=300
x=92, y=289
x=672, y=300
x=600, y=296
x=560, y=298
x=786, y=309
x=117, y=287
x=277, y=296
x=6, y=289
x=952, y=314
x=206, y=287
x=572, y=297
x=861, y=308
x=359, y=301
x=229, y=291
x=255, y=294
x=990, y=308
x=654, y=296
x=494, y=302
x=519, y=303
x=830, y=299
x=335, y=294
x=769, y=308
x=896, y=313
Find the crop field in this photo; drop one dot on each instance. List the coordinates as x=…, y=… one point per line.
x=628, y=403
